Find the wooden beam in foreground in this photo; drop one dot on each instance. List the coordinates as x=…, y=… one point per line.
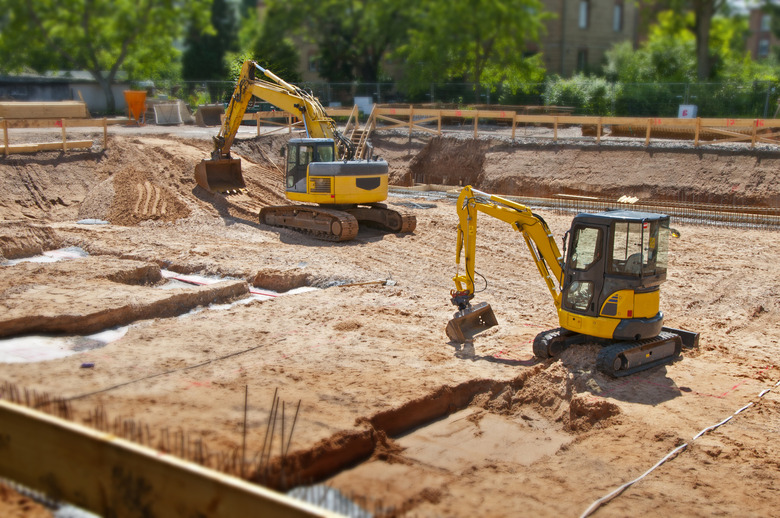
x=110, y=476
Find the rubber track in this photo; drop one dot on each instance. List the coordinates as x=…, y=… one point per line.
x=349, y=225
x=607, y=356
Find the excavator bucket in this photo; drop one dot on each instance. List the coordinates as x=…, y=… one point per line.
x=471, y=321
x=222, y=176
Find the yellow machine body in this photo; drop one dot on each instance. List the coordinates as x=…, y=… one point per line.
x=342, y=184
x=608, y=285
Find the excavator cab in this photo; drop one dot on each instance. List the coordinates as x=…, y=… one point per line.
x=301, y=153
x=614, y=266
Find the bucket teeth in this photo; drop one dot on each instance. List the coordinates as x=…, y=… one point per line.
x=471, y=321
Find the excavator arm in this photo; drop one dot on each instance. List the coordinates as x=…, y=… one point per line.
x=281, y=94
x=540, y=241
x=221, y=173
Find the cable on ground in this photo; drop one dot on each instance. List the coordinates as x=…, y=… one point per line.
x=672, y=454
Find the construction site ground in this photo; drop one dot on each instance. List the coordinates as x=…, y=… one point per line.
x=392, y=413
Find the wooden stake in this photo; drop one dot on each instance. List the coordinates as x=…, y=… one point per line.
x=243, y=441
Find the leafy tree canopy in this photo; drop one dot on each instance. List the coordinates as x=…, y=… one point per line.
x=98, y=36
x=272, y=47
x=205, y=51
x=668, y=55
x=352, y=37
x=480, y=41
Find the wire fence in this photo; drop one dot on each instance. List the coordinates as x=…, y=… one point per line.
x=756, y=99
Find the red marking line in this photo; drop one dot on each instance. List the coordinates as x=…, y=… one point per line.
x=646, y=381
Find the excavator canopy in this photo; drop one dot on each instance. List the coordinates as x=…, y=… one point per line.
x=222, y=176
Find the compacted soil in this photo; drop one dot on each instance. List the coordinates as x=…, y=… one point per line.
x=382, y=406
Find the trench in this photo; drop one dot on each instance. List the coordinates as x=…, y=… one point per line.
x=453, y=428
x=46, y=336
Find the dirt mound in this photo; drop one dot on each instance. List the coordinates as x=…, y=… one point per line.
x=132, y=196
x=553, y=394
x=450, y=161
x=22, y=239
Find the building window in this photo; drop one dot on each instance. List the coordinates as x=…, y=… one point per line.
x=313, y=63
x=763, y=47
x=766, y=22
x=582, y=60
x=617, y=18
x=584, y=13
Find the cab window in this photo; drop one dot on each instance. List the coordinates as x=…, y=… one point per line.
x=325, y=153
x=586, y=247
x=640, y=247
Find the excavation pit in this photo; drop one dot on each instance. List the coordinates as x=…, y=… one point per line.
x=366, y=360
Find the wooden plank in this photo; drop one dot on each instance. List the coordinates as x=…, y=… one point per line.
x=43, y=110
x=110, y=476
x=48, y=146
x=649, y=127
x=338, y=112
x=598, y=132
x=56, y=123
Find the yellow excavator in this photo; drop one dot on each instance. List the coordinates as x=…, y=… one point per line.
x=321, y=168
x=605, y=290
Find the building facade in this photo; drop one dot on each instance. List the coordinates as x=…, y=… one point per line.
x=576, y=39
x=584, y=30
x=761, y=39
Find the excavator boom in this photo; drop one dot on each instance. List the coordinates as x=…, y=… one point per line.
x=471, y=320
x=221, y=173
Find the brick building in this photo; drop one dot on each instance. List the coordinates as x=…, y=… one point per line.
x=761, y=39
x=584, y=30
x=576, y=39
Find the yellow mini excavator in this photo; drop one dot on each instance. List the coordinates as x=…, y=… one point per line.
x=321, y=168
x=605, y=290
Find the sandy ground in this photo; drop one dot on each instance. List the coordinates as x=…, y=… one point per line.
x=391, y=412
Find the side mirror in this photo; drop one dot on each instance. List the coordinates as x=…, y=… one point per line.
x=282, y=151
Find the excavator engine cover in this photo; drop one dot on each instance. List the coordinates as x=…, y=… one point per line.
x=471, y=321
x=222, y=176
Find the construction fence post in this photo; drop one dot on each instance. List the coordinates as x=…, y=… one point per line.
x=647, y=136
x=64, y=136
x=5, y=137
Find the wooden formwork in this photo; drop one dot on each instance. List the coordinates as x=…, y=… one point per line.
x=62, y=115
x=714, y=130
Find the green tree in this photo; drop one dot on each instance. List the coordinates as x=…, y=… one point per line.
x=205, y=51
x=102, y=37
x=700, y=25
x=668, y=54
x=482, y=41
x=352, y=37
x=272, y=46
